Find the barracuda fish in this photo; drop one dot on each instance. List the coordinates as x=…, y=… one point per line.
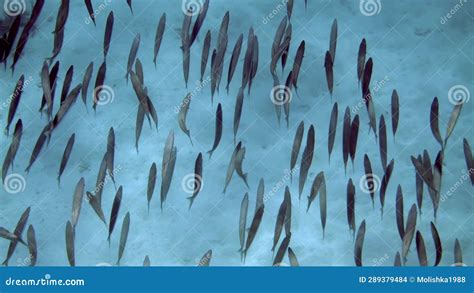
x=20, y=226
x=197, y=185
x=13, y=149
x=159, y=36
x=65, y=157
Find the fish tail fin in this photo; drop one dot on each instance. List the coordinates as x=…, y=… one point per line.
x=108, y=239
x=245, y=180
x=210, y=153
x=191, y=201
x=5, y=263
x=59, y=181
x=191, y=140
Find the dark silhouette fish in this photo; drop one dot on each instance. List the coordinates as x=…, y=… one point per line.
x=421, y=250
x=123, y=236
x=288, y=211
x=108, y=33
x=409, y=232
x=437, y=243
x=469, y=160
x=99, y=83
x=257, y=219
x=383, y=142
x=151, y=184
x=218, y=133
x=182, y=116
x=197, y=185
x=419, y=188
x=20, y=226
x=205, y=53
x=280, y=221
x=62, y=16
x=53, y=73
x=395, y=106
x=111, y=153
x=12, y=149
x=369, y=178
x=306, y=159
x=115, y=211
x=9, y=39
x=199, y=21
x=351, y=207
x=238, y=111
x=329, y=72
x=95, y=198
x=333, y=41
x=458, y=254
x=353, y=138
x=231, y=167
x=32, y=247
x=77, y=202
x=90, y=10
x=296, y=147
x=167, y=167
x=239, y=158
x=297, y=64
x=366, y=77
x=38, y=147
x=85, y=82
x=361, y=59
x=399, y=213
x=70, y=235
x=384, y=184
x=129, y=3
x=132, y=55
x=67, y=83
x=359, y=243
x=346, y=137
x=65, y=157
x=260, y=194
x=281, y=250
x=15, y=101
x=159, y=36
x=244, y=206
x=234, y=60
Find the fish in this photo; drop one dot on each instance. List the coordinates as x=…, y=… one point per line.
x=62, y=16
x=351, y=206
x=437, y=173
x=239, y=157
x=346, y=137
x=319, y=186
x=257, y=218
x=90, y=10
x=38, y=147
x=57, y=45
x=409, y=232
x=353, y=138
x=424, y=173
x=46, y=84
x=206, y=259
x=333, y=41
x=214, y=73
x=70, y=235
x=86, y=81
x=234, y=60
x=95, y=199
x=67, y=83
x=453, y=119
x=332, y=130
x=287, y=101
x=437, y=242
x=371, y=112
x=15, y=101
x=297, y=64
x=434, y=121
x=20, y=226
x=292, y=257
x=77, y=202
x=32, y=247
x=218, y=132
x=182, y=116
x=9, y=38
x=288, y=211
x=159, y=36
x=4, y=233
x=281, y=250
x=238, y=111
x=146, y=261
x=139, y=124
x=398, y=261
x=63, y=109
x=328, y=64
x=260, y=194
x=53, y=73
x=115, y=211
x=205, y=54
x=296, y=147
x=199, y=21
x=286, y=45
x=395, y=111
x=123, y=236
x=244, y=207
x=399, y=212
x=383, y=142
x=111, y=153
x=248, y=59
x=361, y=59
x=66, y=155
x=167, y=167
x=231, y=166
x=132, y=55
x=280, y=220
x=359, y=243
x=306, y=159
x=197, y=179
x=419, y=189
x=469, y=160
x=384, y=184
x=315, y=188
x=12, y=149
x=277, y=44
x=289, y=8
x=108, y=33
x=99, y=83
x=366, y=77
x=151, y=184
x=421, y=249
x=139, y=71
x=129, y=3
x=369, y=178
x=458, y=254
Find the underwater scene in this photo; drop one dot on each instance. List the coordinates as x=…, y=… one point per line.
x=237, y=133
